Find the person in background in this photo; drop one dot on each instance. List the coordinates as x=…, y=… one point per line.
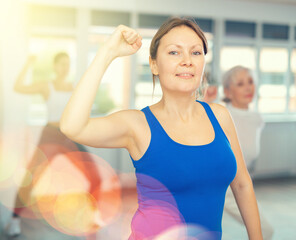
x=211, y=89
x=56, y=93
x=239, y=90
x=185, y=152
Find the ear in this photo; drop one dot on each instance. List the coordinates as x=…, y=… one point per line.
x=153, y=66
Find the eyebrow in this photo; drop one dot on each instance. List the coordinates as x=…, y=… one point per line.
x=179, y=46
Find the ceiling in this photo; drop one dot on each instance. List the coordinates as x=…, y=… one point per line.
x=289, y=2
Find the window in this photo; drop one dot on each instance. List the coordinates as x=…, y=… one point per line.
x=237, y=55
x=209, y=59
x=113, y=93
x=51, y=16
x=272, y=89
x=292, y=87
x=240, y=29
x=103, y=18
x=149, y=21
x=275, y=32
x=144, y=94
x=205, y=24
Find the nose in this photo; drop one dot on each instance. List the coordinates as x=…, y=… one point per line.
x=186, y=60
x=250, y=86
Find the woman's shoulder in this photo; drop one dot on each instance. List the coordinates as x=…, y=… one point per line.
x=222, y=114
x=219, y=110
x=133, y=119
x=131, y=116
x=132, y=113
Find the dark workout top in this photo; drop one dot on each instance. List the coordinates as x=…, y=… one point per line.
x=181, y=188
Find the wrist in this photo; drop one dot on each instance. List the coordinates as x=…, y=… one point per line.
x=109, y=51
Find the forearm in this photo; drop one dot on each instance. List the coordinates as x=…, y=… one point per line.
x=77, y=111
x=19, y=83
x=247, y=204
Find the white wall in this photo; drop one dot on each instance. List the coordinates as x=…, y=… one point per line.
x=278, y=150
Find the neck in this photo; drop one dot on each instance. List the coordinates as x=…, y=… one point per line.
x=179, y=107
x=59, y=80
x=241, y=106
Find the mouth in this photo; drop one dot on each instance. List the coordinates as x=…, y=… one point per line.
x=185, y=75
x=249, y=96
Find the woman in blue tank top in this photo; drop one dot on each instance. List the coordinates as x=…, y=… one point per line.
x=185, y=152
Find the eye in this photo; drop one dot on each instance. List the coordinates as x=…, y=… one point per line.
x=196, y=53
x=251, y=82
x=173, y=52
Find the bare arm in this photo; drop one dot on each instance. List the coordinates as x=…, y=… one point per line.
x=241, y=186
x=33, y=88
x=109, y=131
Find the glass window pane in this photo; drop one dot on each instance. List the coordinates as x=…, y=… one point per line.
x=205, y=24
x=209, y=56
x=240, y=29
x=272, y=89
x=51, y=16
x=151, y=21
x=113, y=92
x=144, y=94
x=208, y=72
x=237, y=55
x=277, y=32
x=104, y=18
x=274, y=60
x=292, y=103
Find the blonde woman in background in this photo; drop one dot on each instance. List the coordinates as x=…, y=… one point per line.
x=55, y=93
x=239, y=90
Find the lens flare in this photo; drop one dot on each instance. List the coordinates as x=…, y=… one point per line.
x=77, y=214
x=17, y=149
x=188, y=232
x=121, y=229
x=76, y=192
x=8, y=165
x=157, y=210
x=86, y=195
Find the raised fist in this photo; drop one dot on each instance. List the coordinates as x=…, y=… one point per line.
x=124, y=41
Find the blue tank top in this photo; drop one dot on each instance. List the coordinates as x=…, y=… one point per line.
x=181, y=188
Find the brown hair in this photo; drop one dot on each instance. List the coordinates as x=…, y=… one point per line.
x=59, y=56
x=169, y=25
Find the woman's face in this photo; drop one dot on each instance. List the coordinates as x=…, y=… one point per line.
x=62, y=67
x=242, y=89
x=180, y=61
